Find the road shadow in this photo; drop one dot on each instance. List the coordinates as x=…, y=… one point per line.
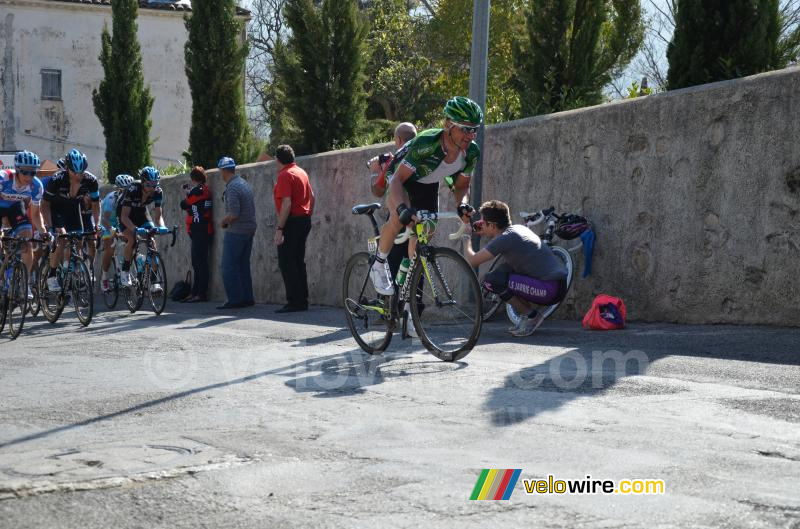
x=351, y=372
x=597, y=362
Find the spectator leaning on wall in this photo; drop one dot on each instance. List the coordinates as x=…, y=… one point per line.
x=377, y=166
x=294, y=203
x=239, y=224
x=200, y=227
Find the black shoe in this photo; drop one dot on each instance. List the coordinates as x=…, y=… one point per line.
x=290, y=308
x=248, y=303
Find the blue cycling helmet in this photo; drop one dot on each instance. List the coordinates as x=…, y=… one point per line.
x=149, y=174
x=27, y=159
x=75, y=161
x=226, y=162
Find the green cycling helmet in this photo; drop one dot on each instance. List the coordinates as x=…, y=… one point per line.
x=463, y=110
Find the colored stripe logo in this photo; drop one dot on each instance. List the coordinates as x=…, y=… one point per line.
x=495, y=484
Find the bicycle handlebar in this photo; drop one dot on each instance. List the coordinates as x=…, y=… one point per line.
x=159, y=230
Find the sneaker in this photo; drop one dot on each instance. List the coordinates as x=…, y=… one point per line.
x=381, y=278
x=125, y=279
x=30, y=293
x=514, y=328
x=529, y=325
x=155, y=288
x=53, y=285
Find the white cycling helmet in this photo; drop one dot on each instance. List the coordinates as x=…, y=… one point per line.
x=123, y=180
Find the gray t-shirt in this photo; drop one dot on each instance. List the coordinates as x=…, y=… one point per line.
x=524, y=252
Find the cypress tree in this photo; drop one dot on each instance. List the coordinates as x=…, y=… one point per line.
x=319, y=70
x=215, y=58
x=716, y=40
x=122, y=103
x=571, y=50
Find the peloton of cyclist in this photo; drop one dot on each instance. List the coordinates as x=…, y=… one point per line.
x=20, y=191
x=448, y=154
x=529, y=265
x=64, y=199
x=110, y=222
x=133, y=214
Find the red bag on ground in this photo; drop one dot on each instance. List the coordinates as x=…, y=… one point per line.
x=607, y=313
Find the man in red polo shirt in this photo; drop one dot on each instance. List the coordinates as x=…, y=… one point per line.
x=294, y=203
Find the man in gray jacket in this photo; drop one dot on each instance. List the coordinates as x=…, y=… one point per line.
x=239, y=224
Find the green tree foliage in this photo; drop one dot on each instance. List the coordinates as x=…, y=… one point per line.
x=449, y=41
x=571, y=50
x=723, y=39
x=400, y=72
x=215, y=69
x=122, y=103
x=319, y=75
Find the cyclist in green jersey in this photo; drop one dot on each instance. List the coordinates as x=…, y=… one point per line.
x=448, y=154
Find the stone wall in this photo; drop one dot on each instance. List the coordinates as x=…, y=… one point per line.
x=695, y=196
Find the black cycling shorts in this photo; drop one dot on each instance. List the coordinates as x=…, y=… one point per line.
x=17, y=220
x=423, y=196
x=68, y=217
x=139, y=217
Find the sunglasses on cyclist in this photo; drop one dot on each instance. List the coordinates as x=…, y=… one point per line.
x=467, y=129
x=26, y=172
x=150, y=184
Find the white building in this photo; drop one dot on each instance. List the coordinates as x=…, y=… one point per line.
x=49, y=65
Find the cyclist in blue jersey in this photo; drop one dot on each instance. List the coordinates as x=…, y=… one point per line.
x=110, y=222
x=64, y=198
x=132, y=212
x=21, y=190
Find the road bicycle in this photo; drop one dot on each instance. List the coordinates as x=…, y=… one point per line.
x=150, y=275
x=111, y=294
x=492, y=302
x=73, y=278
x=440, y=294
x=13, y=286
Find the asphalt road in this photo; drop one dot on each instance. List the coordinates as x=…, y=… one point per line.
x=249, y=419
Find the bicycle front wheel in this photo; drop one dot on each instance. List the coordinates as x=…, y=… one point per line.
x=491, y=301
x=82, y=292
x=514, y=317
x=111, y=295
x=156, y=283
x=52, y=302
x=33, y=304
x=447, y=306
x=368, y=313
x=17, y=299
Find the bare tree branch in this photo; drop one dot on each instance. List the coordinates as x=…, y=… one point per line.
x=265, y=28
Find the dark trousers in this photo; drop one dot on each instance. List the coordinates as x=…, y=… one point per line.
x=201, y=249
x=292, y=260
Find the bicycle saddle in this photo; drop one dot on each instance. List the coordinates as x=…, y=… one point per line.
x=362, y=209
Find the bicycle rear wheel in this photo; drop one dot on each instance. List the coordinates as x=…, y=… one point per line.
x=111, y=295
x=17, y=299
x=564, y=255
x=447, y=306
x=155, y=278
x=491, y=301
x=368, y=313
x=82, y=292
x=52, y=301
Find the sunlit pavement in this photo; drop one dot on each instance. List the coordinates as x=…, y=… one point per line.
x=208, y=418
